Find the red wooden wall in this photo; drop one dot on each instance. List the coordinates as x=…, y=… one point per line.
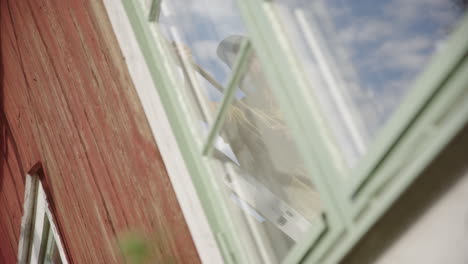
x=67, y=102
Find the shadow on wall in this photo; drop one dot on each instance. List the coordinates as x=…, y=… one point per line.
x=3, y=123
x=7, y=141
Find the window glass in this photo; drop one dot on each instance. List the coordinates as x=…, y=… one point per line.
x=51, y=254
x=194, y=30
x=361, y=57
x=147, y=4
x=259, y=170
x=266, y=176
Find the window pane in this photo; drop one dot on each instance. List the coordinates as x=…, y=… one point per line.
x=49, y=253
x=52, y=255
x=194, y=30
x=266, y=177
x=362, y=56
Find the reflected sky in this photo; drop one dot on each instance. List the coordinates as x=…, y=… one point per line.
x=389, y=43
x=375, y=50
x=202, y=25
x=380, y=46
x=362, y=56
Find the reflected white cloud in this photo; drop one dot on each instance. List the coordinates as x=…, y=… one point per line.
x=375, y=50
x=202, y=25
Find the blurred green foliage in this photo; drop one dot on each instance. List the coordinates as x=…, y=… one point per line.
x=137, y=249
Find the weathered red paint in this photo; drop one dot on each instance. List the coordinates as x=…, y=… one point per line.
x=67, y=102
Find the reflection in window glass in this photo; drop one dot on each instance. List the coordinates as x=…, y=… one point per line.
x=193, y=29
x=361, y=57
x=266, y=175
x=52, y=255
x=265, y=181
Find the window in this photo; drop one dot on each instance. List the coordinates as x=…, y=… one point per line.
x=40, y=241
x=292, y=116
x=362, y=61
x=246, y=140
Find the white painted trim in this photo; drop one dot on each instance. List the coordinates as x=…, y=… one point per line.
x=38, y=223
x=56, y=234
x=32, y=223
x=27, y=219
x=181, y=180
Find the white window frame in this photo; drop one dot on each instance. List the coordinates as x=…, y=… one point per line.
x=36, y=210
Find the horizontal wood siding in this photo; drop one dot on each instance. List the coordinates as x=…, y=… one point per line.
x=68, y=103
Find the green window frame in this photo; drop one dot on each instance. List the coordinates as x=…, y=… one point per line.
x=430, y=116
